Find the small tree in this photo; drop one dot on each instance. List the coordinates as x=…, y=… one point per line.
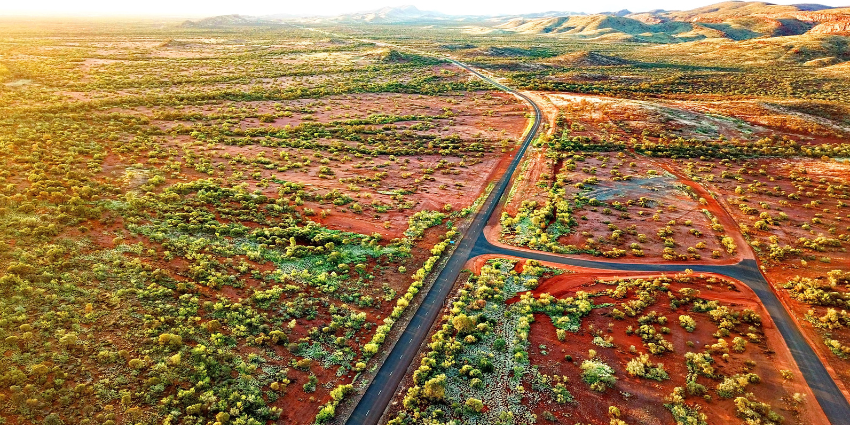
x=435, y=388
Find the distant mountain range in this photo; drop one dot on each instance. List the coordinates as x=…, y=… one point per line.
x=391, y=14
x=386, y=15
x=728, y=20
x=225, y=21
x=411, y=14
x=733, y=20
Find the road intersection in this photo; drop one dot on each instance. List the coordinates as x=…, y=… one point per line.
x=473, y=243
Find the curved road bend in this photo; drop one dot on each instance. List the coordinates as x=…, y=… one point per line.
x=827, y=393
x=382, y=388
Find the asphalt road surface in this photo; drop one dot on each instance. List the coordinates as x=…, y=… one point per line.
x=382, y=388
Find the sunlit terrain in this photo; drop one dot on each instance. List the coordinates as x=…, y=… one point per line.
x=232, y=220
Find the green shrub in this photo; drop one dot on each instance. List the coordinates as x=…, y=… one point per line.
x=597, y=374
x=474, y=405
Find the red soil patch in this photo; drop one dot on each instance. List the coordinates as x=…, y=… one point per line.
x=642, y=400
x=594, y=224
x=644, y=403
x=820, y=187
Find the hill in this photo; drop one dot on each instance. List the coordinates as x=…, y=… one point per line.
x=225, y=21
x=733, y=20
x=838, y=26
x=842, y=69
x=728, y=10
x=810, y=50
x=582, y=59
x=599, y=27
x=387, y=55
x=504, y=52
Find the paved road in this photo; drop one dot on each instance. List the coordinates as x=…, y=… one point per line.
x=382, y=388
x=826, y=392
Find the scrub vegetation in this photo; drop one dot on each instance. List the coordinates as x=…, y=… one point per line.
x=221, y=227
x=230, y=221
x=533, y=343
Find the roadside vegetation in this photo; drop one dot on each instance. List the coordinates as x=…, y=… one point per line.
x=523, y=342
x=208, y=226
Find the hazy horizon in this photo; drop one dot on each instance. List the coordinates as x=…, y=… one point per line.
x=194, y=8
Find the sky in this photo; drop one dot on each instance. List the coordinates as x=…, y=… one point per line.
x=203, y=8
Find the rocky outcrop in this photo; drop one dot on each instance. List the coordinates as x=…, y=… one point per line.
x=833, y=15
x=833, y=27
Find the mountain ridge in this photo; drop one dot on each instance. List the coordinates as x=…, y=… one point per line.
x=732, y=20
